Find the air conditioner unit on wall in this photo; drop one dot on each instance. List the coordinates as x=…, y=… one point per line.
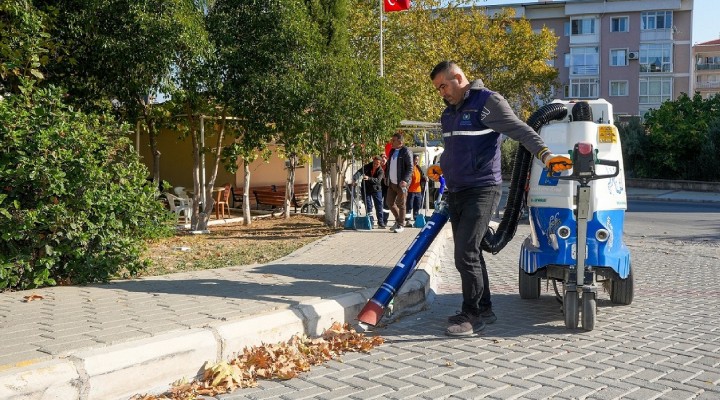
x=633, y=55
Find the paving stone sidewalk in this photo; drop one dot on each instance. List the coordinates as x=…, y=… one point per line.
x=89, y=342
x=74, y=325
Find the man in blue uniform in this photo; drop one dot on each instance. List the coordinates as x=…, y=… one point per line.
x=472, y=125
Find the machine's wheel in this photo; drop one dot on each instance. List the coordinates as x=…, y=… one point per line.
x=621, y=290
x=589, y=311
x=571, y=309
x=528, y=285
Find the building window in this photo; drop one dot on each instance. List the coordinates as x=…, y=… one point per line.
x=619, y=24
x=584, y=61
x=618, y=88
x=582, y=26
x=656, y=20
x=567, y=60
x=566, y=28
x=583, y=88
x=618, y=57
x=656, y=57
x=655, y=90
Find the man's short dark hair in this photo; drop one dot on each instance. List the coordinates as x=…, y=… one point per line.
x=442, y=67
x=398, y=136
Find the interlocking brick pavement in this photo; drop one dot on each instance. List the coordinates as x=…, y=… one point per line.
x=73, y=318
x=665, y=345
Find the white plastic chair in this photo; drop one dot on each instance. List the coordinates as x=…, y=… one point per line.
x=180, y=192
x=180, y=206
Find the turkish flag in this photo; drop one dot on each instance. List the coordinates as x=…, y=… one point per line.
x=396, y=5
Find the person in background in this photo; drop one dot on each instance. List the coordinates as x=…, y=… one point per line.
x=472, y=124
x=399, y=172
x=415, y=190
x=372, y=176
x=386, y=207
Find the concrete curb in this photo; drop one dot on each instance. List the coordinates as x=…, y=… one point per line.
x=150, y=365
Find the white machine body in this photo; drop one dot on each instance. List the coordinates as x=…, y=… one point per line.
x=551, y=201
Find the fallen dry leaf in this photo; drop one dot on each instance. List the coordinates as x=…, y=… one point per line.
x=32, y=297
x=283, y=360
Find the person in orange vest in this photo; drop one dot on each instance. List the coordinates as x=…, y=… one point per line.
x=417, y=182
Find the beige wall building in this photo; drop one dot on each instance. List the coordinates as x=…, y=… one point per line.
x=707, y=68
x=635, y=54
x=176, y=163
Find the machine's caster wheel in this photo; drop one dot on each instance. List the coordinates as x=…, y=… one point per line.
x=621, y=290
x=309, y=209
x=528, y=285
x=589, y=311
x=571, y=309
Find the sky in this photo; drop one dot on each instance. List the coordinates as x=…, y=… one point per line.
x=704, y=12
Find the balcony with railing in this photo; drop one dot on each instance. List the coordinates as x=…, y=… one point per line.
x=664, y=67
x=707, y=85
x=707, y=67
x=656, y=35
x=589, y=69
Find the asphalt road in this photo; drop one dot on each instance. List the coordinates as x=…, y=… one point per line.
x=674, y=221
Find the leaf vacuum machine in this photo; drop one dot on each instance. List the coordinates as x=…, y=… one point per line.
x=577, y=216
x=574, y=215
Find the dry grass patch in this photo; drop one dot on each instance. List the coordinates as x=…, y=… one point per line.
x=265, y=240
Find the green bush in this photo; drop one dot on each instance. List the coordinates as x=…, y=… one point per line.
x=634, y=141
x=679, y=140
x=75, y=203
x=508, y=149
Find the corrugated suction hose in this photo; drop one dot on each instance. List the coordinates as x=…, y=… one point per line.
x=581, y=111
x=494, y=241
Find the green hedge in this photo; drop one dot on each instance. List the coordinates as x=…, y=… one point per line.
x=75, y=203
x=679, y=140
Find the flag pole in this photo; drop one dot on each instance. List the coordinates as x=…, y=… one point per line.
x=381, y=38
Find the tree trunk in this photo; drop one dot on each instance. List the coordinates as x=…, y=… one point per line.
x=290, y=184
x=152, y=138
x=152, y=135
x=196, y=223
x=204, y=216
x=247, y=218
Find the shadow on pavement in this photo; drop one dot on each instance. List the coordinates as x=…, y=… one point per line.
x=273, y=282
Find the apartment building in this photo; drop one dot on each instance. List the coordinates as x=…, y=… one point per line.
x=635, y=54
x=707, y=68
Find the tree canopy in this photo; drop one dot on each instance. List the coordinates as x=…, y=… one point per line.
x=501, y=50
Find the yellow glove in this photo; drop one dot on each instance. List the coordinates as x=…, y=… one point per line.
x=556, y=163
x=434, y=171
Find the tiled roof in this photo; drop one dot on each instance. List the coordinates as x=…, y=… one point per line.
x=716, y=41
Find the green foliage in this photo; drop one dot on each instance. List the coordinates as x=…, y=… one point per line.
x=501, y=50
x=679, y=145
x=25, y=45
x=351, y=106
x=680, y=140
x=508, y=149
x=75, y=205
x=634, y=140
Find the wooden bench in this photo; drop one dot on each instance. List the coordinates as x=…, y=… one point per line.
x=274, y=196
x=237, y=196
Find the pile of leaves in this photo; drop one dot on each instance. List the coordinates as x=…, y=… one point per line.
x=284, y=360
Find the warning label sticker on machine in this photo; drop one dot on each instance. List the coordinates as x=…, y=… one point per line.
x=607, y=134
